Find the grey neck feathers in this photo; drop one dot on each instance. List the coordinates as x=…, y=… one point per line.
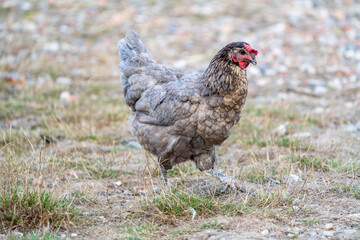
x=223, y=77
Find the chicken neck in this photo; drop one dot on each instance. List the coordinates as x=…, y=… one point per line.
x=223, y=77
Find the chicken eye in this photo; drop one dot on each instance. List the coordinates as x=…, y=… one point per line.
x=242, y=52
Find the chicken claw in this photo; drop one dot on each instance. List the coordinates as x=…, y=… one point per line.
x=230, y=181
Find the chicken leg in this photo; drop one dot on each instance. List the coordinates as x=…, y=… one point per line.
x=164, y=175
x=232, y=182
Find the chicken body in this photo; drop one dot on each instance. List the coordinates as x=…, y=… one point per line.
x=180, y=117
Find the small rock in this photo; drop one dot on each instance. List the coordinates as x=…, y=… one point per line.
x=265, y=232
x=14, y=78
x=180, y=64
x=356, y=215
x=295, y=208
x=16, y=233
x=52, y=47
x=25, y=6
x=335, y=83
x=47, y=139
x=293, y=179
x=44, y=78
x=67, y=97
x=63, y=80
x=313, y=234
x=320, y=90
x=73, y=235
x=319, y=110
x=350, y=127
x=63, y=235
x=117, y=184
x=349, y=104
x=73, y=174
x=329, y=226
x=18, y=122
x=127, y=192
x=350, y=231
x=328, y=233
x=357, y=126
x=134, y=145
x=339, y=230
x=280, y=130
x=312, y=206
x=131, y=143
x=296, y=230
x=302, y=134
x=127, y=214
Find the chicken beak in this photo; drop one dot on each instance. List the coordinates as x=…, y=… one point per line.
x=253, y=61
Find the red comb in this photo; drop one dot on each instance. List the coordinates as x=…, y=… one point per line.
x=250, y=49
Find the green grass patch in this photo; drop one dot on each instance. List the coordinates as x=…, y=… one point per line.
x=182, y=231
x=139, y=232
x=270, y=200
x=35, y=235
x=211, y=225
x=345, y=167
x=186, y=169
x=98, y=168
x=311, y=221
x=97, y=138
x=256, y=177
x=351, y=189
x=266, y=172
x=31, y=209
x=179, y=204
x=303, y=161
x=323, y=164
x=253, y=140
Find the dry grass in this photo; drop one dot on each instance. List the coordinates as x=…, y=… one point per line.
x=73, y=156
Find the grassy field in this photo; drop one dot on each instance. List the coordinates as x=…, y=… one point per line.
x=69, y=167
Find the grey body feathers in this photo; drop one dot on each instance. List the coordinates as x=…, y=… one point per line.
x=180, y=117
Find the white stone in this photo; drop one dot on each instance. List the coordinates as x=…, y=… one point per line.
x=65, y=96
x=302, y=134
x=63, y=80
x=328, y=233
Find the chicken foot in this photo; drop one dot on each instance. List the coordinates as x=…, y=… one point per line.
x=232, y=182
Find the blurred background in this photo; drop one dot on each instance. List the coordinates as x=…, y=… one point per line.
x=306, y=47
x=310, y=43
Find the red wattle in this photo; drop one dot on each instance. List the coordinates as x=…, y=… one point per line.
x=243, y=64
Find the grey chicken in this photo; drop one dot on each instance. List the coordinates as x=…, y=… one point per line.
x=180, y=117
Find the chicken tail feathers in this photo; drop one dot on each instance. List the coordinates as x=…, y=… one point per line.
x=132, y=51
x=134, y=56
